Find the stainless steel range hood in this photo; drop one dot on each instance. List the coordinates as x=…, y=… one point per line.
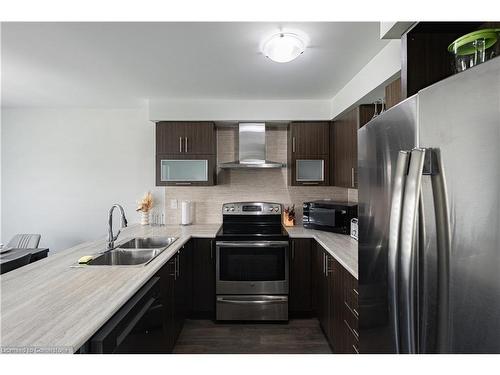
x=252, y=148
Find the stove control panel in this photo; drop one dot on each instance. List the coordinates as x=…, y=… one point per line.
x=251, y=208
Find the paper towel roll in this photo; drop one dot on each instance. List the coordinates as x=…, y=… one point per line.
x=186, y=218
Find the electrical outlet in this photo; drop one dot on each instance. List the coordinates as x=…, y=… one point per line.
x=173, y=203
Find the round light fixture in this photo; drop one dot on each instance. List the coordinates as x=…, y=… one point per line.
x=283, y=47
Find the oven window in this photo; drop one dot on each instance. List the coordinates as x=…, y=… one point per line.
x=252, y=264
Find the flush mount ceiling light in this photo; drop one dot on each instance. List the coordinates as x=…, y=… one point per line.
x=284, y=47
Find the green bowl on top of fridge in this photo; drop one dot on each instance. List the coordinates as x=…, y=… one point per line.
x=474, y=48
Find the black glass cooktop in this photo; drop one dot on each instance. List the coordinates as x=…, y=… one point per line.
x=248, y=232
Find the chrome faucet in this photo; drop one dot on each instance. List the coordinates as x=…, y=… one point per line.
x=111, y=237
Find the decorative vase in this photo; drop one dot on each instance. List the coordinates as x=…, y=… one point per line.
x=144, y=218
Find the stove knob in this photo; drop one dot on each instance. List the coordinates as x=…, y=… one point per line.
x=276, y=209
x=226, y=209
x=270, y=209
x=232, y=209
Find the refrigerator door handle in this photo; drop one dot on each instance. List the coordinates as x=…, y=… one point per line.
x=409, y=219
x=394, y=241
x=434, y=168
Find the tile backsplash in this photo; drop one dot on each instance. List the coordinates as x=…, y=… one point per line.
x=233, y=185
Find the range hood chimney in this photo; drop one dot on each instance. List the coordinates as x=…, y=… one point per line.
x=252, y=150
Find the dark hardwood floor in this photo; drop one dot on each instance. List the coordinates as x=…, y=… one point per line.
x=299, y=336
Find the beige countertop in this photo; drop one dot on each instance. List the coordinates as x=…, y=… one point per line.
x=50, y=304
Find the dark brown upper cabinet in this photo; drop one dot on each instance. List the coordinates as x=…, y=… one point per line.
x=344, y=145
x=393, y=93
x=309, y=138
x=186, y=153
x=186, y=138
x=308, y=153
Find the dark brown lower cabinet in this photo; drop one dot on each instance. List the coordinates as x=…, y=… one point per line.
x=300, y=302
x=350, y=314
x=203, y=254
x=182, y=288
x=335, y=301
x=167, y=281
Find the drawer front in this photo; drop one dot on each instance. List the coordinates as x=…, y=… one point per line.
x=351, y=294
x=247, y=307
x=351, y=315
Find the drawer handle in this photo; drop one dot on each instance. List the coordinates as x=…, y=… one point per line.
x=276, y=300
x=353, y=331
x=353, y=311
x=183, y=183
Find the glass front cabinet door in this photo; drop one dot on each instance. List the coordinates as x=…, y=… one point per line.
x=185, y=170
x=310, y=171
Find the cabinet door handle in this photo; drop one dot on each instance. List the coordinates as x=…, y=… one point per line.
x=186, y=144
x=293, y=144
x=352, y=176
x=178, y=264
x=328, y=269
x=180, y=144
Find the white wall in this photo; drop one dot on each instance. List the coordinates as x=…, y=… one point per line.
x=382, y=69
x=62, y=169
x=243, y=110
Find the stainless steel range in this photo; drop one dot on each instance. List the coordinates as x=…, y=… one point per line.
x=252, y=263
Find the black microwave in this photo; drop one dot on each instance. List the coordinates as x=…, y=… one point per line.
x=329, y=215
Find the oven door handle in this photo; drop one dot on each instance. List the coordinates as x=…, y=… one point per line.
x=251, y=244
x=264, y=301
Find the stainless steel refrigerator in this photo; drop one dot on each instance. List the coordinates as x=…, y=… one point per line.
x=429, y=220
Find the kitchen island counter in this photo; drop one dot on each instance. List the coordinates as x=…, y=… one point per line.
x=51, y=306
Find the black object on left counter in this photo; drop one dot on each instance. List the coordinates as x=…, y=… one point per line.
x=12, y=259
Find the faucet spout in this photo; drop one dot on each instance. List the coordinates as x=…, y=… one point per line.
x=112, y=238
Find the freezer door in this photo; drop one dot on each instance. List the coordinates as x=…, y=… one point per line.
x=379, y=143
x=460, y=118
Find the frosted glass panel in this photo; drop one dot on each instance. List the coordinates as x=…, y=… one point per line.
x=310, y=170
x=184, y=170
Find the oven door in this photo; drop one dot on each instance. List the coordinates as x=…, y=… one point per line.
x=252, y=267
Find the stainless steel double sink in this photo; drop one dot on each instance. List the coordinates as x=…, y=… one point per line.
x=136, y=251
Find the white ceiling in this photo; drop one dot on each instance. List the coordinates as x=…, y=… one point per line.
x=122, y=64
